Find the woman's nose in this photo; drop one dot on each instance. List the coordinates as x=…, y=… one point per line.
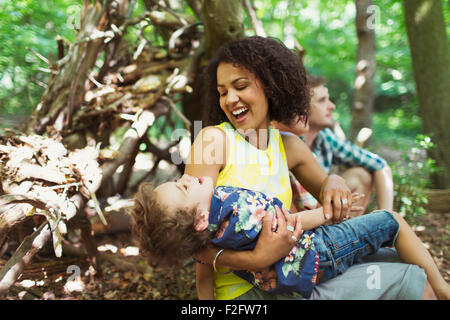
x=232, y=97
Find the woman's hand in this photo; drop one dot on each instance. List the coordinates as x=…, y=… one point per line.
x=274, y=245
x=336, y=198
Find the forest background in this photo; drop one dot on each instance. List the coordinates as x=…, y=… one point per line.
x=32, y=34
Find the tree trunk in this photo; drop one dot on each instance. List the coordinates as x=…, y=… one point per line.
x=364, y=94
x=223, y=21
x=428, y=42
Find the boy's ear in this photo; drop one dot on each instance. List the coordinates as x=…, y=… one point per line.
x=201, y=220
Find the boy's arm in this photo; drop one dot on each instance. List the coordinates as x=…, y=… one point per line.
x=204, y=281
x=270, y=247
x=311, y=219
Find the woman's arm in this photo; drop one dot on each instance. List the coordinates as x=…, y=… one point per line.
x=204, y=281
x=270, y=247
x=208, y=154
x=330, y=190
x=207, y=157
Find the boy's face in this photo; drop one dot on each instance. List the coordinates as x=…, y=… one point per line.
x=187, y=193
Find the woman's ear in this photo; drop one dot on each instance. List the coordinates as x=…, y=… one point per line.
x=201, y=220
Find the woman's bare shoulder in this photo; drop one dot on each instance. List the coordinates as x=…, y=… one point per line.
x=296, y=150
x=292, y=141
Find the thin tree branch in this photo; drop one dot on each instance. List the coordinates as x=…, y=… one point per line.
x=256, y=23
x=23, y=255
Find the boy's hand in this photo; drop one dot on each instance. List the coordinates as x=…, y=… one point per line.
x=355, y=210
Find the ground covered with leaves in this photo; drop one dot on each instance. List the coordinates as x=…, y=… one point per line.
x=126, y=276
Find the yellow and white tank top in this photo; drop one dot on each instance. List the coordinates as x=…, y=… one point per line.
x=251, y=168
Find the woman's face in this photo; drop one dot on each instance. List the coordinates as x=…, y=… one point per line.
x=242, y=97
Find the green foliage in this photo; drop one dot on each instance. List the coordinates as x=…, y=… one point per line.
x=326, y=31
x=411, y=178
x=26, y=26
x=328, y=34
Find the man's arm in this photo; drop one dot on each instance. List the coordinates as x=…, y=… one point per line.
x=350, y=155
x=328, y=189
x=384, y=188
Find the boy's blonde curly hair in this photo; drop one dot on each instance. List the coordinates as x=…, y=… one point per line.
x=164, y=240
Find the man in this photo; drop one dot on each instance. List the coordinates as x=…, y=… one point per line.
x=365, y=171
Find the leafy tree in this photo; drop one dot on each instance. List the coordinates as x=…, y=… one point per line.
x=28, y=26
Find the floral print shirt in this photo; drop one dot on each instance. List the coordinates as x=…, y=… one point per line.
x=236, y=222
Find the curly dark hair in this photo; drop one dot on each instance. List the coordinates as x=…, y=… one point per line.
x=280, y=71
x=164, y=240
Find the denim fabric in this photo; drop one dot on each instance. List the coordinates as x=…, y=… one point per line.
x=341, y=245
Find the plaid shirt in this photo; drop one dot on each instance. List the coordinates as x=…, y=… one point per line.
x=329, y=150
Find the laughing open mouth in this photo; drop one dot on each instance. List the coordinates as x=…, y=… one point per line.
x=239, y=113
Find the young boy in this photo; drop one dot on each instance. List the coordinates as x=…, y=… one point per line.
x=177, y=219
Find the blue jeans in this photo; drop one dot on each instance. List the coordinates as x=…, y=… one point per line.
x=341, y=245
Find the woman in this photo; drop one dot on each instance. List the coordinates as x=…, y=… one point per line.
x=249, y=83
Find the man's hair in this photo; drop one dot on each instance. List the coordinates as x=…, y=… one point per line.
x=165, y=240
x=280, y=71
x=315, y=81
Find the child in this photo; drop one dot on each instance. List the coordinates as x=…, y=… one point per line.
x=177, y=219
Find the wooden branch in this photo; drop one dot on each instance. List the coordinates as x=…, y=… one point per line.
x=40, y=56
x=28, y=248
x=131, y=138
x=172, y=105
x=196, y=6
x=127, y=170
x=145, y=176
x=15, y=209
x=170, y=20
x=34, y=171
x=163, y=154
x=60, y=42
x=255, y=22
